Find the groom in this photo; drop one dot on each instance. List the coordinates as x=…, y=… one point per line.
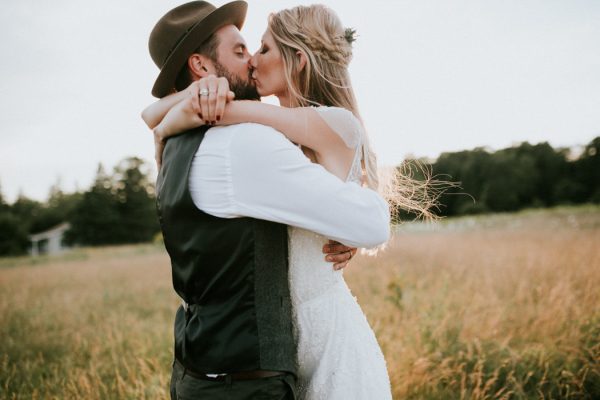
x=224, y=198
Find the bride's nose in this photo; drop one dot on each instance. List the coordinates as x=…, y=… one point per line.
x=253, y=60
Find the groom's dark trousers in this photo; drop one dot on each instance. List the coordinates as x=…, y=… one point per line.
x=233, y=335
x=184, y=387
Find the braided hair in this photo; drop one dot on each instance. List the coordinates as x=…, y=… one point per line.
x=317, y=32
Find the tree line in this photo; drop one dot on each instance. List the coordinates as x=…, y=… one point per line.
x=120, y=207
x=518, y=177
x=117, y=208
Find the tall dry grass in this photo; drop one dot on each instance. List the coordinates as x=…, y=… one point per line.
x=490, y=308
x=495, y=308
x=94, y=326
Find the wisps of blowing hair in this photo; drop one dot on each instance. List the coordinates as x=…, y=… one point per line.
x=317, y=32
x=412, y=189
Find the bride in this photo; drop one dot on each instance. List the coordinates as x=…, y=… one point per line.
x=303, y=60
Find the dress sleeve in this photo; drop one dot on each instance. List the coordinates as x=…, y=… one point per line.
x=344, y=123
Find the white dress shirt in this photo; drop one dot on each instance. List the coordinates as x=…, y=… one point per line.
x=251, y=170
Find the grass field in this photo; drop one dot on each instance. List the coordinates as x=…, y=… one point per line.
x=495, y=307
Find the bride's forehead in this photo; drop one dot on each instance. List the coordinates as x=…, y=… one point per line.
x=267, y=37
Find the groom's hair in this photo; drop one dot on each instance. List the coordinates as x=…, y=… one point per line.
x=208, y=48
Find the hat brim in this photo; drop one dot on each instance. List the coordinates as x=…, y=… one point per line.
x=233, y=13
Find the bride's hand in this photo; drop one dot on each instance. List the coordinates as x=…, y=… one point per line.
x=159, y=147
x=338, y=254
x=213, y=94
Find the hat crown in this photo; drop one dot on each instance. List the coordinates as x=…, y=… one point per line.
x=173, y=27
x=181, y=31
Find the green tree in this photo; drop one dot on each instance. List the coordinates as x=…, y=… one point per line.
x=586, y=171
x=13, y=233
x=506, y=185
x=135, y=201
x=118, y=208
x=471, y=170
x=551, y=167
x=13, y=236
x=521, y=176
x=26, y=211
x=4, y=207
x=95, y=219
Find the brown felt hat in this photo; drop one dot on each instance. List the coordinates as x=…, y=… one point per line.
x=181, y=31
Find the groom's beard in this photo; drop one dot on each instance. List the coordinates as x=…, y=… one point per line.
x=244, y=90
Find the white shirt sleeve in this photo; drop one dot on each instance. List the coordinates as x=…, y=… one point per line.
x=250, y=170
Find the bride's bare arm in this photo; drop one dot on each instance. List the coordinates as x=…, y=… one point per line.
x=181, y=111
x=181, y=117
x=170, y=115
x=155, y=112
x=302, y=125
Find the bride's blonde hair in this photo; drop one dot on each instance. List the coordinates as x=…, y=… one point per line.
x=317, y=32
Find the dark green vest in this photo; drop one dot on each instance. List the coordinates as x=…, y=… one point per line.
x=232, y=272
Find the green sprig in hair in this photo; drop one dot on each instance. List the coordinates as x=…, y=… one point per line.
x=350, y=35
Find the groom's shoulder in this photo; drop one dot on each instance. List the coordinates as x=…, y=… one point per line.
x=250, y=136
x=244, y=129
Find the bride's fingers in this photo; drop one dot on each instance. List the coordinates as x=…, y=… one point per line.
x=212, y=99
x=203, y=94
x=159, y=146
x=339, y=257
x=327, y=247
x=335, y=247
x=195, y=97
x=341, y=265
x=158, y=159
x=221, y=101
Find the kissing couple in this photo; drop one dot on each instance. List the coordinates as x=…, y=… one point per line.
x=262, y=206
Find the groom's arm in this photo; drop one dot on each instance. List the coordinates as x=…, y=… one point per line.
x=254, y=171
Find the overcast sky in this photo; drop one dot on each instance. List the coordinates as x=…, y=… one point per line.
x=430, y=76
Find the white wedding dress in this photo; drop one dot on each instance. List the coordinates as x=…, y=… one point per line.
x=338, y=355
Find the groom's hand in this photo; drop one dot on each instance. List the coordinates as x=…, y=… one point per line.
x=338, y=254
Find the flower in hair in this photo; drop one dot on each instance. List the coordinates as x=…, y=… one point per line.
x=350, y=35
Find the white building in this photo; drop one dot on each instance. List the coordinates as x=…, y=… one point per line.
x=50, y=241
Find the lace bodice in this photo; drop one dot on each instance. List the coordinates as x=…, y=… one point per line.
x=338, y=354
x=309, y=271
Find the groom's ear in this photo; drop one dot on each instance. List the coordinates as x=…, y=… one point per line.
x=301, y=61
x=199, y=66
